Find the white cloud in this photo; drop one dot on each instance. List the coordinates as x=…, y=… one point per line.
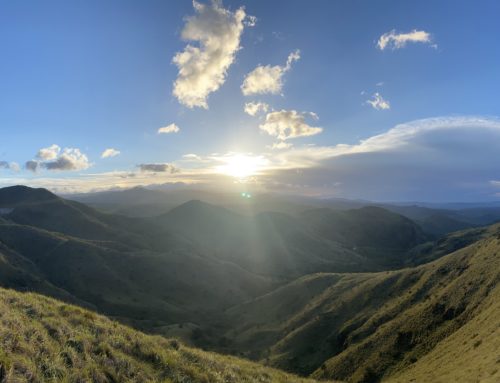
x=285, y=124
x=50, y=153
x=68, y=159
x=172, y=128
x=267, y=79
x=253, y=108
x=378, y=102
x=52, y=158
x=110, y=152
x=395, y=40
x=203, y=68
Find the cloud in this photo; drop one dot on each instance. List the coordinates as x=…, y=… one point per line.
x=421, y=160
x=268, y=79
x=110, y=152
x=14, y=166
x=53, y=158
x=32, y=166
x=172, y=128
x=285, y=124
x=191, y=157
x=50, y=153
x=378, y=102
x=250, y=21
x=280, y=145
x=68, y=159
x=253, y=108
x=158, y=168
x=393, y=40
x=203, y=68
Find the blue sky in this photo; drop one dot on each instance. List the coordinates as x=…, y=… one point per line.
x=96, y=75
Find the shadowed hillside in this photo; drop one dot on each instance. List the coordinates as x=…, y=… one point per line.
x=287, y=246
x=118, y=265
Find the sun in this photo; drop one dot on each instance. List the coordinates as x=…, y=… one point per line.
x=242, y=165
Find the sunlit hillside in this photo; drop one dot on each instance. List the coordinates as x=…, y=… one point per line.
x=43, y=340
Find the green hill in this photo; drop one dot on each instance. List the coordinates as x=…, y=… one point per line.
x=44, y=340
x=288, y=246
x=376, y=326
x=376, y=233
x=124, y=267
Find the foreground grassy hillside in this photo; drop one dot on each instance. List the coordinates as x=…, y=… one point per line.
x=44, y=340
x=371, y=327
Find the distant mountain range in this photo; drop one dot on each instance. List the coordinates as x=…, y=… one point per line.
x=434, y=218
x=342, y=290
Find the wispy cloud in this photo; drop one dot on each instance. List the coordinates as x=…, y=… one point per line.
x=110, y=152
x=393, y=40
x=378, y=102
x=268, y=79
x=172, y=128
x=14, y=166
x=202, y=69
x=280, y=145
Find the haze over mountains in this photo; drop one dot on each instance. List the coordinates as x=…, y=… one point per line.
x=340, y=290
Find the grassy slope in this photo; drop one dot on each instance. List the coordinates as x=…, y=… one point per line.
x=364, y=327
x=44, y=340
x=470, y=354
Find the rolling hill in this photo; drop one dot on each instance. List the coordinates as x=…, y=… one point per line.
x=118, y=265
x=355, y=295
x=287, y=246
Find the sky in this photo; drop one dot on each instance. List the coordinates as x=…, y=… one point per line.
x=386, y=100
